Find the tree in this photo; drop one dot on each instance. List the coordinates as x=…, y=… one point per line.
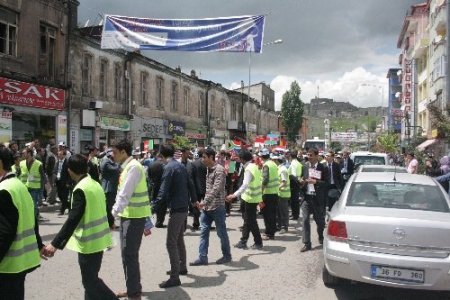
x=336, y=146
x=440, y=121
x=292, y=111
x=388, y=142
x=180, y=142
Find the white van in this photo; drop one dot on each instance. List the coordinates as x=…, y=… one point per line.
x=369, y=158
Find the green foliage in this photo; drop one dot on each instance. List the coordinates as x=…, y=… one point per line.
x=373, y=125
x=336, y=146
x=181, y=142
x=292, y=111
x=440, y=121
x=388, y=142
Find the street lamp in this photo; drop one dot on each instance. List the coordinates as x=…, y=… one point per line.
x=275, y=42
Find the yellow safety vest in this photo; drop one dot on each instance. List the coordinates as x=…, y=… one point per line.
x=23, y=253
x=273, y=184
x=298, y=167
x=253, y=193
x=284, y=192
x=23, y=171
x=139, y=204
x=92, y=234
x=32, y=177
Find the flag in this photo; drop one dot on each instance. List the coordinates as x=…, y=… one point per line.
x=227, y=34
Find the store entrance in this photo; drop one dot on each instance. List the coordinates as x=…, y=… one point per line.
x=27, y=128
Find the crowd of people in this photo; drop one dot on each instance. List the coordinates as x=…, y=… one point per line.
x=123, y=184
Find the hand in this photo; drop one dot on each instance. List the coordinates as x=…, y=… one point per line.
x=147, y=232
x=311, y=180
x=49, y=250
x=196, y=205
x=229, y=198
x=43, y=253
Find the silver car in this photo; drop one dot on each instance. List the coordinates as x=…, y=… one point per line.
x=390, y=229
x=381, y=168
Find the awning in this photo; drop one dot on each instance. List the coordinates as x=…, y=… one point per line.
x=426, y=144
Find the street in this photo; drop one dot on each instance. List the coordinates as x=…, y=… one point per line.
x=278, y=271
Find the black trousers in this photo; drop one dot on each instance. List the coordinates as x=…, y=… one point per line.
x=250, y=223
x=94, y=287
x=313, y=205
x=63, y=195
x=12, y=286
x=295, y=201
x=270, y=213
x=110, y=200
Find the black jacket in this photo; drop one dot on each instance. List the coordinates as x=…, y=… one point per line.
x=200, y=178
x=337, y=176
x=350, y=166
x=155, y=172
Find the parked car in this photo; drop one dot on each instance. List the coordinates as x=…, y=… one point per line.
x=381, y=168
x=369, y=158
x=390, y=229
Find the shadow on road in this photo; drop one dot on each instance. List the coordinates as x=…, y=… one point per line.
x=363, y=291
x=287, y=238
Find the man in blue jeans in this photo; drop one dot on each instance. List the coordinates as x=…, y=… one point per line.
x=213, y=210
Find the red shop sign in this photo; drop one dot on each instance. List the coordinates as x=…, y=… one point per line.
x=33, y=95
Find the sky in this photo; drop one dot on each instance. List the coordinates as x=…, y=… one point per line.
x=338, y=49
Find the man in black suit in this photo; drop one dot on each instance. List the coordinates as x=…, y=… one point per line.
x=200, y=186
x=315, y=198
x=347, y=166
x=155, y=171
x=335, y=181
x=62, y=181
x=110, y=182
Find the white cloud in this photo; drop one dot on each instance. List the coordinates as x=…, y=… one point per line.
x=359, y=87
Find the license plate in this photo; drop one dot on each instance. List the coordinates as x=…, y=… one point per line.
x=397, y=274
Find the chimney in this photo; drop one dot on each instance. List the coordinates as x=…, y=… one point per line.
x=193, y=74
x=73, y=14
x=178, y=69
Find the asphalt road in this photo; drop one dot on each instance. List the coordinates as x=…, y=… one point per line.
x=278, y=271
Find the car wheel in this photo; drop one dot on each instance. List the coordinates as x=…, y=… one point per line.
x=330, y=280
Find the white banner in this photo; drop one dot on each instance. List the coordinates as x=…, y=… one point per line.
x=344, y=137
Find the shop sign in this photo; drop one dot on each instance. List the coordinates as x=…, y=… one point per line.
x=86, y=135
x=62, y=128
x=344, y=137
x=250, y=127
x=5, y=125
x=74, y=140
x=434, y=133
x=176, y=127
x=33, y=95
x=196, y=136
x=153, y=128
x=115, y=124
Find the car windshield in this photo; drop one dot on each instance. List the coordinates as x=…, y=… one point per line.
x=397, y=195
x=369, y=160
x=397, y=170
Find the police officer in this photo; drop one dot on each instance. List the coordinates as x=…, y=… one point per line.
x=19, y=235
x=32, y=174
x=251, y=194
x=295, y=176
x=284, y=194
x=86, y=230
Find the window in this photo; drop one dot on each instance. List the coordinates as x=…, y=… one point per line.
x=201, y=104
x=117, y=81
x=233, y=110
x=186, y=100
x=47, y=51
x=159, y=93
x=223, y=110
x=212, y=106
x=103, y=78
x=144, y=89
x=174, y=97
x=86, y=72
x=8, y=32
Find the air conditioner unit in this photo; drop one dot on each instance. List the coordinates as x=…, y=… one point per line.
x=95, y=105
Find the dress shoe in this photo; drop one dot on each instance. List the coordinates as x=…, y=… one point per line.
x=159, y=225
x=256, y=246
x=182, y=272
x=241, y=245
x=223, y=260
x=170, y=283
x=283, y=231
x=199, y=262
x=122, y=294
x=305, y=248
x=321, y=241
x=61, y=213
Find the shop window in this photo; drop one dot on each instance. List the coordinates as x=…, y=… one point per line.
x=86, y=73
x=8, y=32
x=117, y=81
x=103, y=80
x=144, y=89
x=47, y=51
x=174, y=97
x=159, y=93
x=186, y=100
x=201, y=104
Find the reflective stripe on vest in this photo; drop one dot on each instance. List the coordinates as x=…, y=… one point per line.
x=139, y=204
x=23, y=253
x=23, y=171
x=284, y=192
x=253, y=193
x=92, y=233
x=272, y=185
x=34, y=176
